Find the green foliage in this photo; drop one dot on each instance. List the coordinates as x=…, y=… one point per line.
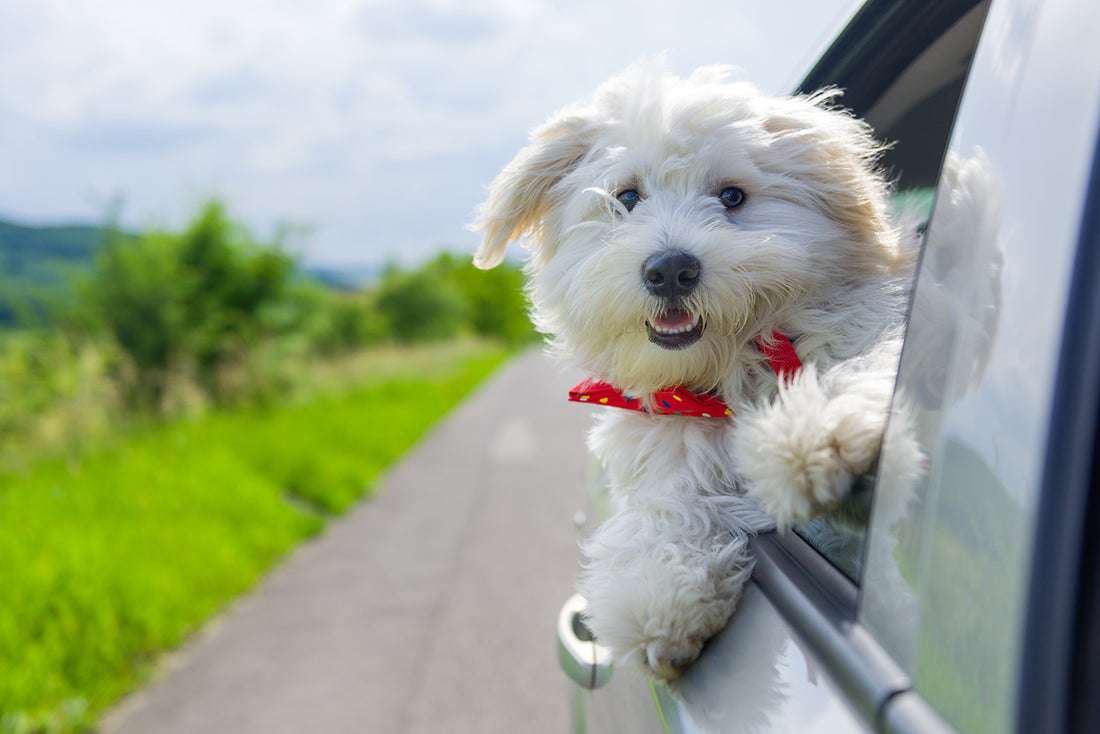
x=449, y=296
x=420, y=305
x=134, y=293
x=36, y=264
x=192, y=300
x=175, y=324
x=54, y=392
x=24, y=247
x=123, y=530
x=111, y=559
x=115, y=556
x=204, y=306
x=347, y=321
x=30, y=382
x=231, y=286
x=495, y=298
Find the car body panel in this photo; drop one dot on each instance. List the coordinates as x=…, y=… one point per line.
x=754, y=676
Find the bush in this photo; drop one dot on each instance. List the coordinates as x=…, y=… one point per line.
x=496, y=300
x=211, y=316
x=448, y=297
x=188, y=302
x=345, y=322
x=54, y=393
x=421, y=306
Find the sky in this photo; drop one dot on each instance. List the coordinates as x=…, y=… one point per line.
x=371, y=127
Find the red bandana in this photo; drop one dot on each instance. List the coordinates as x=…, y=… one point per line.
x=680, y=401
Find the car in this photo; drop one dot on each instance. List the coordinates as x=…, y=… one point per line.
x=965, y=596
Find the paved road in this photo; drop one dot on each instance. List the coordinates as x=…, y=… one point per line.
x=429, y=608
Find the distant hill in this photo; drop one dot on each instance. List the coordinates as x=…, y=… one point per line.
x=21, y=245
x=37, y=265
x=349, y=278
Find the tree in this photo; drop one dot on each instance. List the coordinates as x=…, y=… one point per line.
x=195, y=299
x=420, y=305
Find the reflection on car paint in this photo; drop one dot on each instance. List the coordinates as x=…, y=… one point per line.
x=755, y=677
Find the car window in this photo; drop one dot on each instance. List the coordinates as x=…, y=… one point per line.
x=949, y=576
x=908, y=90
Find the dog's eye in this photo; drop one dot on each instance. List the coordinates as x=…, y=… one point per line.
x=629, y=198
x=732, y=197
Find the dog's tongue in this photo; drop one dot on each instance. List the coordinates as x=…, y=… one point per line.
x=674, y=320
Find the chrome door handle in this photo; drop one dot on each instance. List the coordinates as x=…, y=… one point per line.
x=584, y=660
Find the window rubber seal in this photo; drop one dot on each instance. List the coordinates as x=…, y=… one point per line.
x=818, y=602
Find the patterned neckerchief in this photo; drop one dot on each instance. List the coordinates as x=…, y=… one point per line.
x=678, y=400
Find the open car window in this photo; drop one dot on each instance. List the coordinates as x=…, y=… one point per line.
x=906, y=83
x=975, y=609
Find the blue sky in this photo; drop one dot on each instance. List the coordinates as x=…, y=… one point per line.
x=374, y=125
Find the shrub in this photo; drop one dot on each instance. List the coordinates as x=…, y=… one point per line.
x=448, y=296
x=420, y=306
x=188, y=302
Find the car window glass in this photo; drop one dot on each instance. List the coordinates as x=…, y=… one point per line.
x=913, y=113
x=949, y=558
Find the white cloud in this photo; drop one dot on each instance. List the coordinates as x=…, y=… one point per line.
x=377, y=123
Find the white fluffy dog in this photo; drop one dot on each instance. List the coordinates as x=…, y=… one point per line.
x=680, y=229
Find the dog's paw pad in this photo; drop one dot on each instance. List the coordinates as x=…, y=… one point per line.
x=666, y=659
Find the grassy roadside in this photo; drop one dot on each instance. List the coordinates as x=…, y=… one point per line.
x=116, y=555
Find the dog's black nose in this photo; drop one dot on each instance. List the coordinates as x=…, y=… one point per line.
x=671, y=274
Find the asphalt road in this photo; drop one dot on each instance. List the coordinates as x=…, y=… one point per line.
x=428, y=608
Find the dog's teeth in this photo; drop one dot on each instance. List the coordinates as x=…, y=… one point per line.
x=678, y=329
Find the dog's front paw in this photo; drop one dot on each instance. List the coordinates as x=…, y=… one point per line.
x=657, y=589
x=649, y=626
x=801, y=454
x=666, y=658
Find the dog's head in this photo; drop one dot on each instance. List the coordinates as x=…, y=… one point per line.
x=672, y=220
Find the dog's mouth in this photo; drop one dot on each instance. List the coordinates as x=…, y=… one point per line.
x=675, y=329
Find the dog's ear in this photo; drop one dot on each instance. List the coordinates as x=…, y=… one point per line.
x=525, y=191
x=837, y=152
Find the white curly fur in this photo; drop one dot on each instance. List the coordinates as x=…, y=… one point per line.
x=811, y=252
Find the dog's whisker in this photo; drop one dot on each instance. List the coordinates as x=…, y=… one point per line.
x=576, y=229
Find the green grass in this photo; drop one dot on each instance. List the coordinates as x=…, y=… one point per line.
x=113, y=557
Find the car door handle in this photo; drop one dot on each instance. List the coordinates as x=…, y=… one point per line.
x=584, y=660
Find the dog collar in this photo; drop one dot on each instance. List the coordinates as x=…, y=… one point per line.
x=678, y=400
